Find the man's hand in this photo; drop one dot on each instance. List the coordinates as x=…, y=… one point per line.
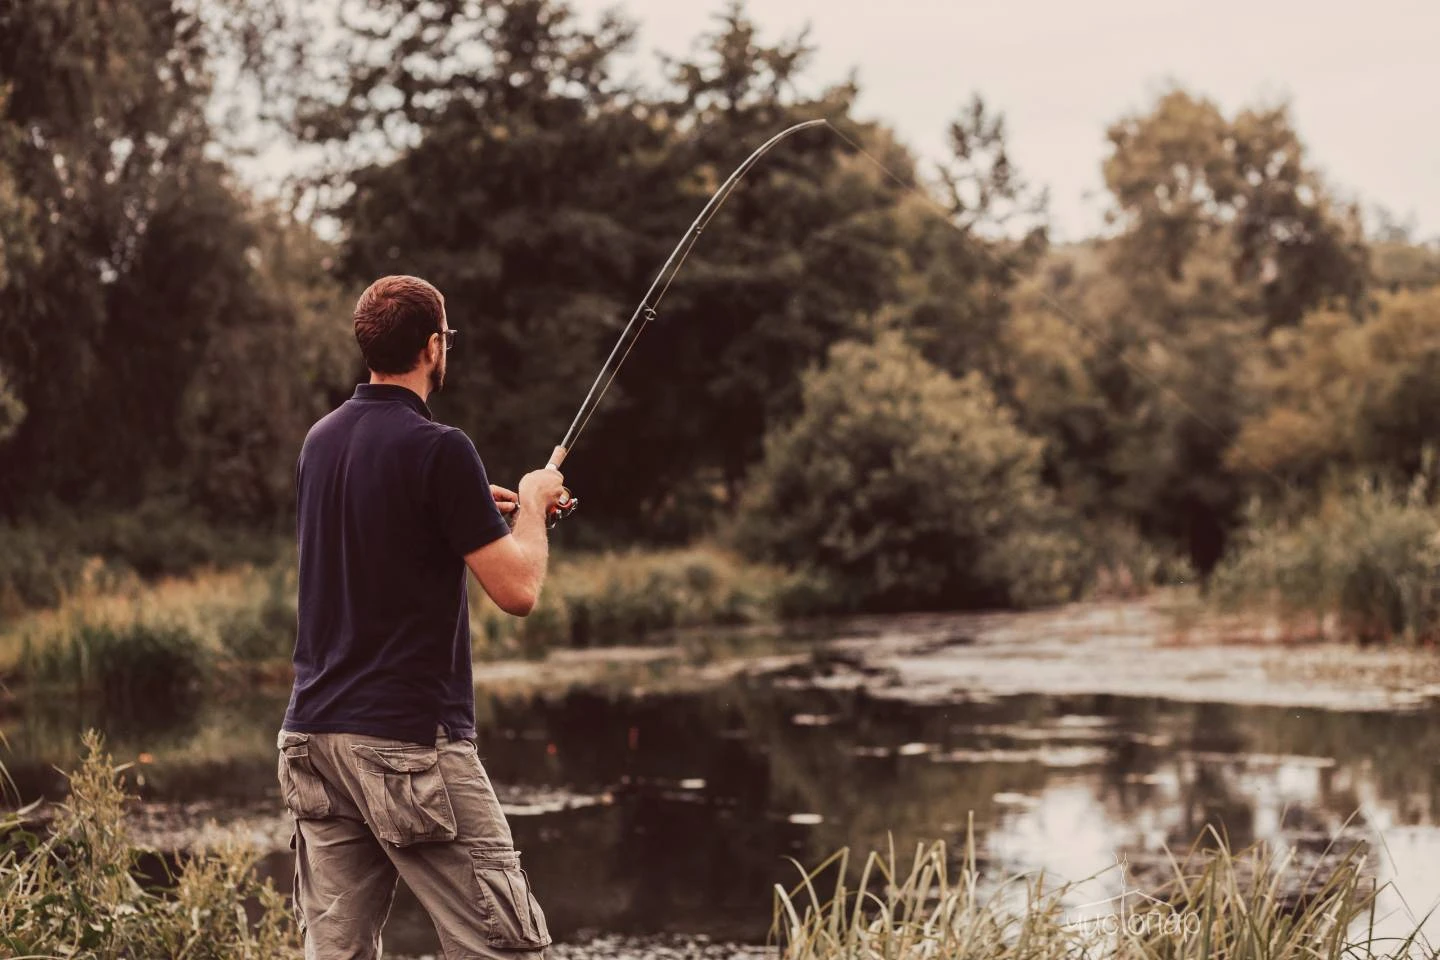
x=506, y=501
x=512, y=569
x=541, y=490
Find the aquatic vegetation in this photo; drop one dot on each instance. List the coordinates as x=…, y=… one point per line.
x=1365, y=563
x=79, y=887
x=617, y=598
x=1217, y=903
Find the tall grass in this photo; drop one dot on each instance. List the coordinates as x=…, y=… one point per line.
x=49, y=555
x=134, y=644
x=135, y=640
x=1217, y=904
x=1366, y=561
x=77, y=890
x=626, y=597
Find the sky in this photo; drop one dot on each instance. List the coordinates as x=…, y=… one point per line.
x=1363, y=79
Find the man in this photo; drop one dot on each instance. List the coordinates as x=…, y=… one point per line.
x=377, y=755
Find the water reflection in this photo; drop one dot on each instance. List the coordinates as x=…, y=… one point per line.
x=696, y=798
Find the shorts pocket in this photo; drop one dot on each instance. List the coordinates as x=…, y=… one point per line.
x=514, y=920
x=301, y=786
x=405, y=794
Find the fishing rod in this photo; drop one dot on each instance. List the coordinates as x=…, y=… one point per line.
x=645, y=312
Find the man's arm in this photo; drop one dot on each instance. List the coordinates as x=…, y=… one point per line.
x=511, y=570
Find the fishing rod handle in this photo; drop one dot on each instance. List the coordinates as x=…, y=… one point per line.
x=568, y=502
x=567, y=505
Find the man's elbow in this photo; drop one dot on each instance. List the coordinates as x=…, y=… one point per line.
x=518, y=604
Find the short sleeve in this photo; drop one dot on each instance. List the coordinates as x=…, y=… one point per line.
x=461, y=494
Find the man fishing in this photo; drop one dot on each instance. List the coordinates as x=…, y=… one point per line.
x=378, y=762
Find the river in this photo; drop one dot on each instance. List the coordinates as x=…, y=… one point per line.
x=659, y=794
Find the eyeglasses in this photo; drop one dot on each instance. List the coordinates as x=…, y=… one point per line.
x=449, y=337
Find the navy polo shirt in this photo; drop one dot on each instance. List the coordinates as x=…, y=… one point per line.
x=390, y=502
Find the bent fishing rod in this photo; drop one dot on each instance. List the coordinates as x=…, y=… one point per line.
x=645, y=312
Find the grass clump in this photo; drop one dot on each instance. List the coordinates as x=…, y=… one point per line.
x=132, y=641
x=78, y=891
x=57, y=549
x=128, y=665
x=1217, y=904
x=625, y=597
x=1366, y=562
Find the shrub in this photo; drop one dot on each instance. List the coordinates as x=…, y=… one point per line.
x=77, y=891
x=1368, y=555
x=60, y=550
x=906, y=487
x=128, y=666
x=265, y=629
x=615, y=598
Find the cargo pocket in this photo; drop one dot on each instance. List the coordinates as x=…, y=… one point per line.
x=297, y=906
x=300, y=785
x=514, y=920
x=405, y=794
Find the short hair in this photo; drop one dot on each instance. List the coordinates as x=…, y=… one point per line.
x=393, y=319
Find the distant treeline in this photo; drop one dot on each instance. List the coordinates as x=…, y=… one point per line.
x=166, y=338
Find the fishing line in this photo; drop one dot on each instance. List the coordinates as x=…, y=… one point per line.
x=646, y=311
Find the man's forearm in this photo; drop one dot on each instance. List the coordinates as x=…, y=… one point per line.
x=533, y=540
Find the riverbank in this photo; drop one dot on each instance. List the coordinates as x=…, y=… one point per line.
x=683, y=774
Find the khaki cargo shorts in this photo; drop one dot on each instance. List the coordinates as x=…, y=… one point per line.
x=368, y=810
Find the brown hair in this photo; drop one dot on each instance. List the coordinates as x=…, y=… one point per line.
x=393, y=319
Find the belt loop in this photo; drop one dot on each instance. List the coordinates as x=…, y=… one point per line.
x=441, y=733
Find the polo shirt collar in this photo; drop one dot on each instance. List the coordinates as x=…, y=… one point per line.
x=393, y=392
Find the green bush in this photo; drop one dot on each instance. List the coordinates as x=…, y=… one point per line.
x=904, y=487
x=127, y=666
x=618, y=598
x=264, y=630
x=1368, y=558
x=77, y=891
x=59, y=550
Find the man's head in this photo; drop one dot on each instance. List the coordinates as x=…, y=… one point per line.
x=400, y=325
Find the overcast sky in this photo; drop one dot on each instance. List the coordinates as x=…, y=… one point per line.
x=1363, y=78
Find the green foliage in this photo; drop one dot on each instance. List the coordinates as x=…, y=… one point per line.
x=265, y=630
x=1184, y=174
x=1341, y=394
x=628, y=597
x=141, y=286
x=1367, y=560
x=58, y=551
x=76, y=890
x=1138, y=385
x=128, y=666
x=541, y=193
x=1218, y=904
x=1401, y=265
x=904, y=486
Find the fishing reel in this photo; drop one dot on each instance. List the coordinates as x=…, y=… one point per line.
x=566, y=506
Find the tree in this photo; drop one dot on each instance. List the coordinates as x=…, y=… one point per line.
x=129, y=250
x=968, y=249
x=1340, y=396
x=795, y=258
x=1183, y=173
x=906, y=487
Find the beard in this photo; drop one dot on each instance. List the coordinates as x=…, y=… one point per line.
x=437, y=377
